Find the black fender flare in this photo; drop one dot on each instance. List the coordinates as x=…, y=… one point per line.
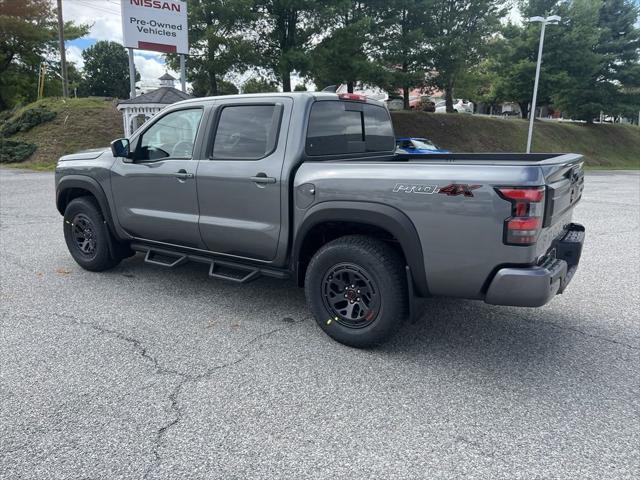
x=92, y=186
x=369, y=213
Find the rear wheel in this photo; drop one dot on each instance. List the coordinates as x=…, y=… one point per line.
x=356, y=289
x=87, y=235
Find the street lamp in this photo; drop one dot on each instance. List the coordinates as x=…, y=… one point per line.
x=552, y=20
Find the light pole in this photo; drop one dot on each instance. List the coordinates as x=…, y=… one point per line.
x=552, y=20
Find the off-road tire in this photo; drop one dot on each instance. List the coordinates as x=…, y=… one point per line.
x=83, y=215
x=365, y=259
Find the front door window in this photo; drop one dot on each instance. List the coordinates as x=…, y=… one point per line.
x=170, y=137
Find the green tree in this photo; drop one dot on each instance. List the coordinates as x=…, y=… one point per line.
x=53, y=83
x=514, y=65
x=398, y=44
x=259, y=85
x=227, y=88
x=590, y=61
x=219, y=43
x=106, y=70
x=284, y=30
x=458, y=34
x=341, y=56
x=479, y=83
x=603, y=63
x=28, y=37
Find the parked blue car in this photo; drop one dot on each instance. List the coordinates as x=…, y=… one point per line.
x=417, y=145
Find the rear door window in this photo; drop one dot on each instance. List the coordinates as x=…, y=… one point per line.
x=337, y=127
x=332, y=130
x=246, y=132
x=378, y=130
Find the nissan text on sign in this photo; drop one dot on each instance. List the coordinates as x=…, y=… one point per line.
x=159, y=25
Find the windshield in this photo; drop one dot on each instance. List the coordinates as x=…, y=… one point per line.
x=423, y=144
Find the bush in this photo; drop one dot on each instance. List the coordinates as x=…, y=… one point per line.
x=27, y=120
x=12, y=151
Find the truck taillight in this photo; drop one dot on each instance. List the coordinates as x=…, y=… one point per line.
x=527, y=209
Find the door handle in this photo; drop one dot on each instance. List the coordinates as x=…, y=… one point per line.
x=262, y=178
x=182, y=174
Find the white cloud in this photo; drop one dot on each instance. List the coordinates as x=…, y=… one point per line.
x=74, y=54
x=103, y=15
x=150, y=69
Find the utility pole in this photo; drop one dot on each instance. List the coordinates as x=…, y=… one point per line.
x=552, y=20
x=63, y=55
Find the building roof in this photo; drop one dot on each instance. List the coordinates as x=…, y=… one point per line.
x=167, y=76
x=163, y=95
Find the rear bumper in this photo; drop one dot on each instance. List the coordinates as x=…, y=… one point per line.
x=536, y=286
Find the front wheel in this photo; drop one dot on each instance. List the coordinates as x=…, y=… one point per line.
x=356, y=289
x=87, y=235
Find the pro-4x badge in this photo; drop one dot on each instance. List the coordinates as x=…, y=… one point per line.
x=455, y=189
x=413, y=188
x=452, y=190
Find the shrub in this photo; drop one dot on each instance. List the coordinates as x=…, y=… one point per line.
x=12, y=151
x=27, y=120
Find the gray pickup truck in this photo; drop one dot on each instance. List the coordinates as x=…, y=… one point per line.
x=309, y=186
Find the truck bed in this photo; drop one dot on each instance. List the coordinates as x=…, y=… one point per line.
x=461, y=235
x=491, y=158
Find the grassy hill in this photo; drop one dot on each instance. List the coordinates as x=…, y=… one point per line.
x=603, y=146
x=79, y=124
x=93, y=122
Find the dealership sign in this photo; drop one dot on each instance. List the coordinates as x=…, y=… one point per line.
x=159, y=25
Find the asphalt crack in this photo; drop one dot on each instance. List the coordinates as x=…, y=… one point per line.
x=174, y=397
x=245, y=350
x=573, y=329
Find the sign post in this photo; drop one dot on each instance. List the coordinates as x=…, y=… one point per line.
x=132, y=75
x=157, y=25
x=183, y=74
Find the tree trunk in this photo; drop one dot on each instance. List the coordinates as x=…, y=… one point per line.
x=350, y=86
x=524, y=109
x=405, y=68
x=286, y=81
x=213, y=84
x=448, y=98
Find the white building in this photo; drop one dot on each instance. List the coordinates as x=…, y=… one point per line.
x=136, y=111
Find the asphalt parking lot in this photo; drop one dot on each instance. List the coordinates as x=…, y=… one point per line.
x=142, y=372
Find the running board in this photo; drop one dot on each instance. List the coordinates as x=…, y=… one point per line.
x=233, y=272
x=221, y=269
x=165, y=259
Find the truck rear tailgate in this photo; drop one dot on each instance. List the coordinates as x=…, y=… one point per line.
x=564, y=187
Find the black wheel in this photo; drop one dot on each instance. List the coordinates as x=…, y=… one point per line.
x=356, y=289
x=88, y=236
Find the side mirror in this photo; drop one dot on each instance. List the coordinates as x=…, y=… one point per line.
x=120, y=148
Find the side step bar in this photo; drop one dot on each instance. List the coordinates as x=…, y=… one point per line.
x=165, y=259
x=222, y=269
